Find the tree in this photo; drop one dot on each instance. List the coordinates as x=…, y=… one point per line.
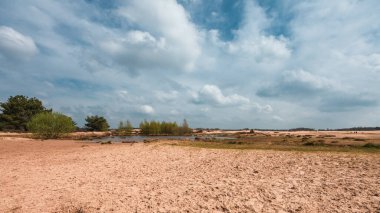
x=185, y=129
x=125, y=128
x=154, y=128
x=50, y=125
x=96, y=123
x=145, y=127
x=18, y=111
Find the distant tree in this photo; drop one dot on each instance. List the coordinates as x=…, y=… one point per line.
x=155, y=128
x=125, y=128
x=185, y=129
x=17, y=112
x=120, y=129
x=50, y=125
x=96, y=123
x=145, y=127
x=129, y=127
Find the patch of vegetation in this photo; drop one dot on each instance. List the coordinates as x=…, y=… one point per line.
x=17, y=111
x=125, y=129
x=302, y=129
x=314, y=143
x=90, y=136
x=310, y=146
x=50, y=125
x=359, y=129
x=72, y=209
x=371, y=145
x=78, y=210
x=150, y=140
x=348, y=138
x=234, y=142
x=131, y=142
x=164, y=128
x=105, y=142
x=310, y=143
x=96, y=123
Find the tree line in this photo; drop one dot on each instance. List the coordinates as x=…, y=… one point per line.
x=21, y=113
x=164, y=128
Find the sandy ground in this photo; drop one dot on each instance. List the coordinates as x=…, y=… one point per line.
x=337, y=134
x=58, y=176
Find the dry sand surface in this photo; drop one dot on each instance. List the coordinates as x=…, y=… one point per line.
x=59, y=176
x=337, y=134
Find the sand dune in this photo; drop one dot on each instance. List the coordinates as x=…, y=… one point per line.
x=60, y=176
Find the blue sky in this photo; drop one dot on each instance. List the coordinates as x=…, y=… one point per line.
x=221, y=63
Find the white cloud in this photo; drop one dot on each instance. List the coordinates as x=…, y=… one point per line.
x=266, y=108
x=166, y=96
x=211, y=94
x=277, y=118
x=251, y=51
x=255, y=20
x=329, y=34
x=262, y=49
x=146, y=109
x=256, y=107
x=308, y=80
x=136, y=36
x=134, y=42
x=178, y=37
x=122, y=94
x=371, y=61
x=174, y=112
x=300, y=83
x=16, y=45
x=252, y=42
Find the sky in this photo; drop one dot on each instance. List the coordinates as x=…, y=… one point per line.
x=219, y=64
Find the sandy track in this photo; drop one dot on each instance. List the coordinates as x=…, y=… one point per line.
x=54, y=176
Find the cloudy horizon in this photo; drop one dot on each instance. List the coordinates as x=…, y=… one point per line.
x=219, y=64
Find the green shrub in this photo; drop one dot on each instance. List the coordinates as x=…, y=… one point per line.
x=17, y=111
x=105, y=142
x=124, y=128
x=310, y=143
x=96, y=123
x=50, y=125
x=371, y=145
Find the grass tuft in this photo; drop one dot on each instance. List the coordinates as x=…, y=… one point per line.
x=106, y=142
x=371, y=145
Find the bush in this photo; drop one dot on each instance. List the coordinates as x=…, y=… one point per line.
x=371, y=145
x=17, y=111
x=50, y=125
x=96, y=123
x=125, y=128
